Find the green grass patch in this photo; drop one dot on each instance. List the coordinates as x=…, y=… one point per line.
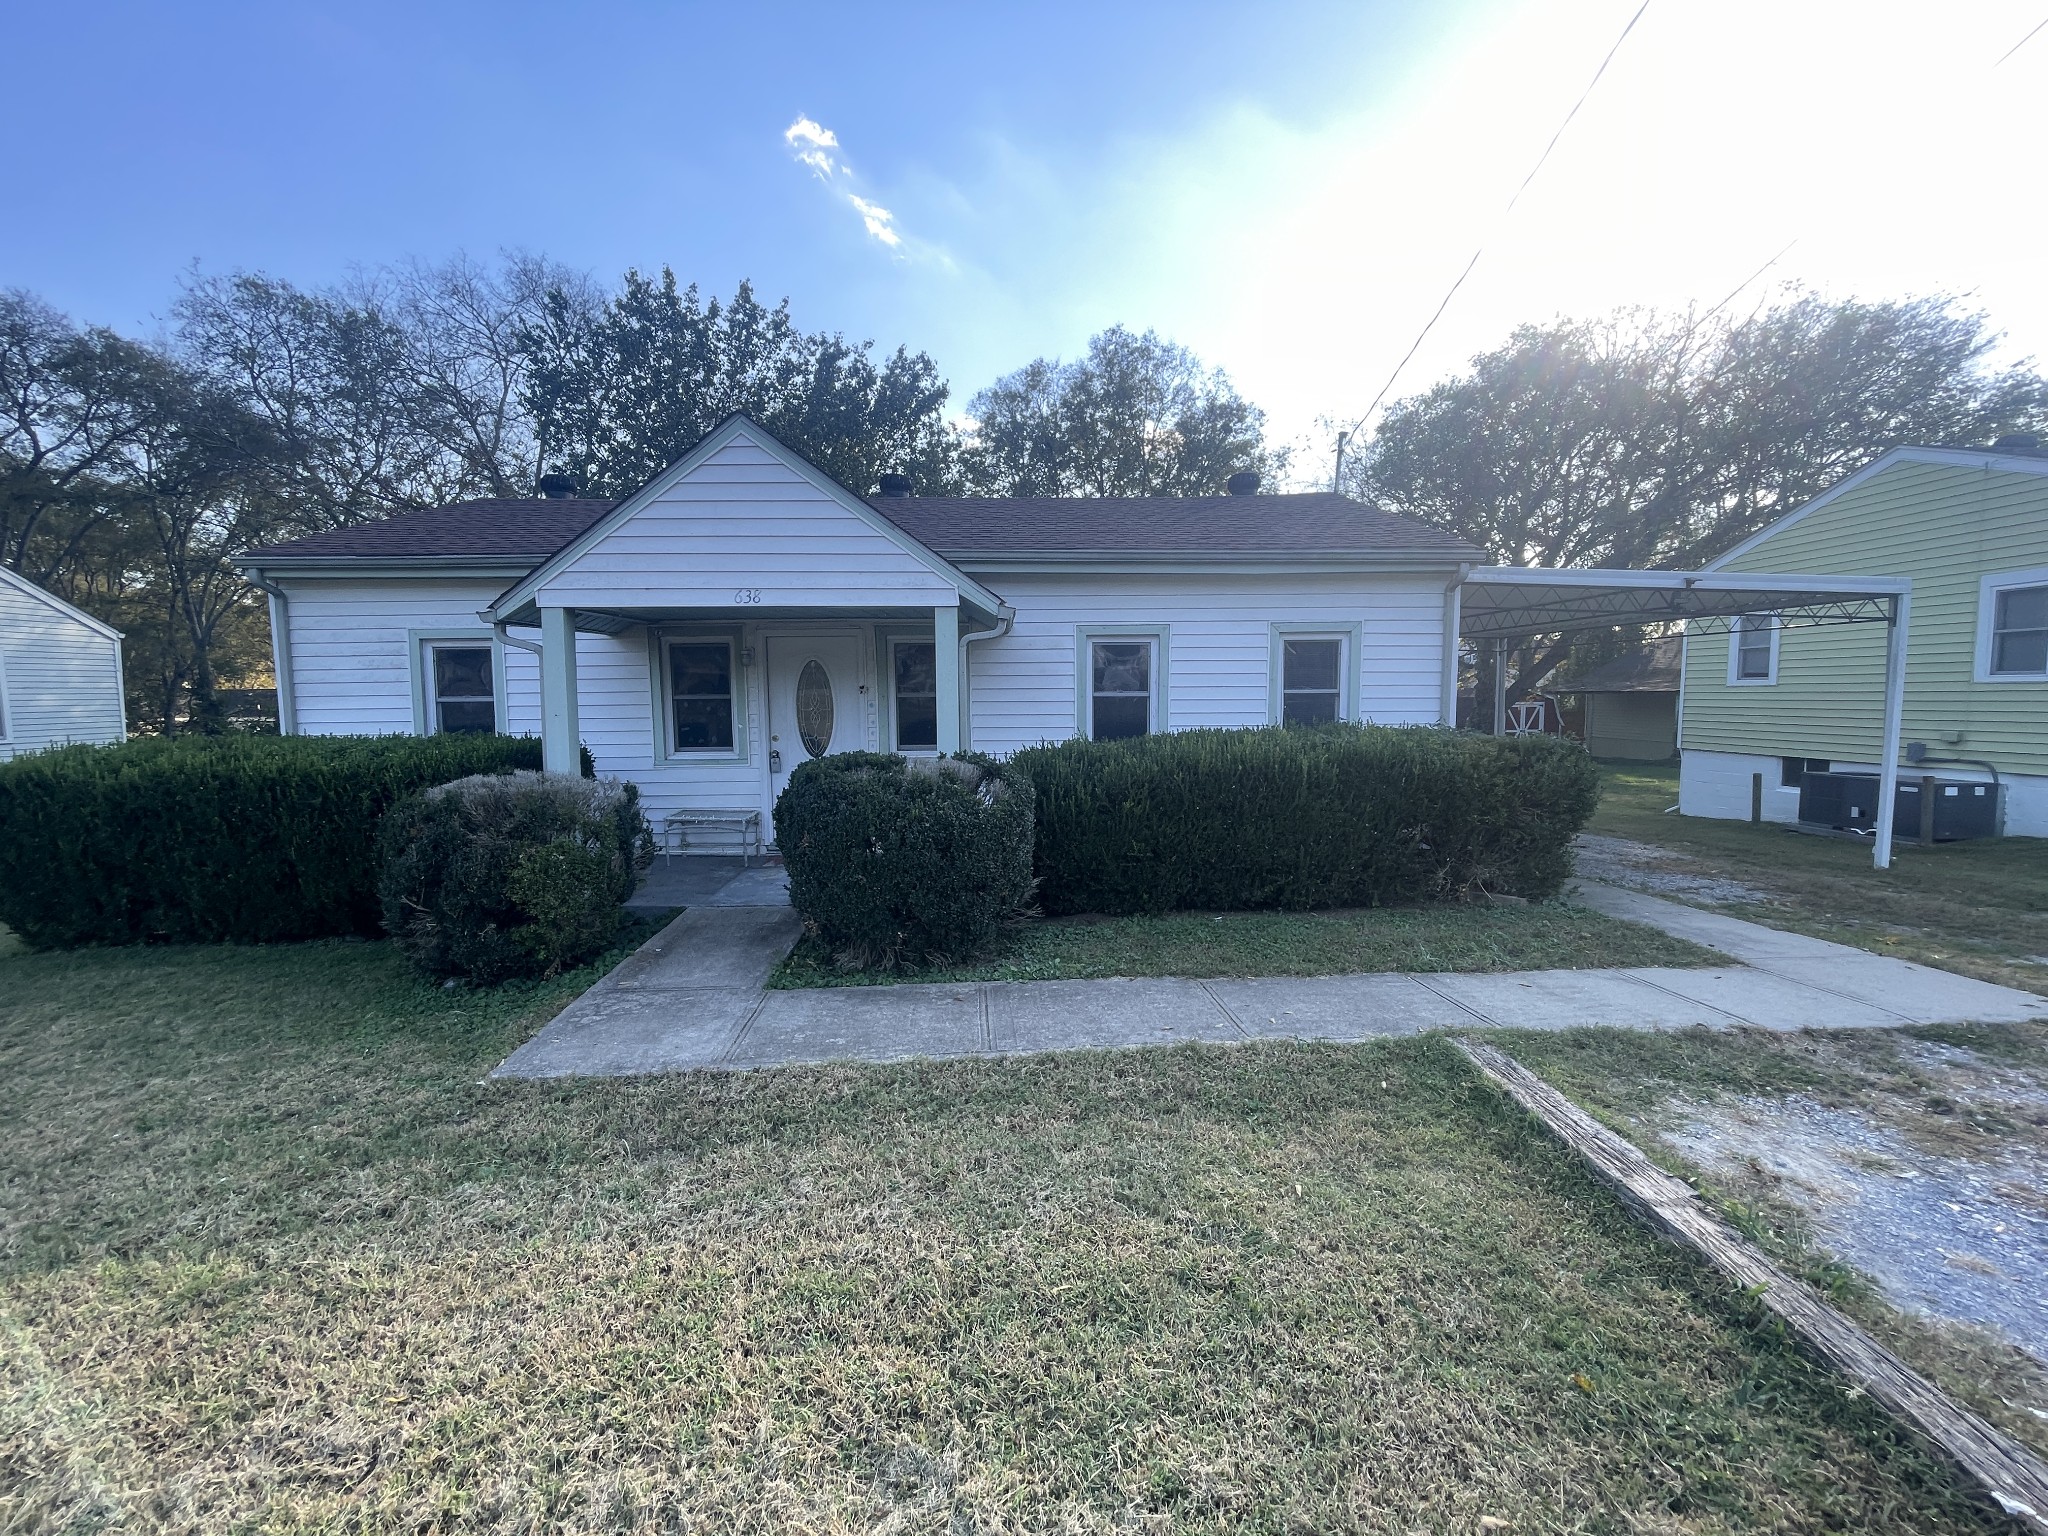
x=1979, y=908
x=274, y=1257
x=1633, y=1081
x=1434, y=938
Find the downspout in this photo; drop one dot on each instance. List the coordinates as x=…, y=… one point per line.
x=1454, y=598
x=502, y=633
x=280, y=651
x=1005, y=617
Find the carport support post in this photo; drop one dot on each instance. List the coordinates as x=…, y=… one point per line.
x=560, y=734
x=946, y=661
x=1894, y=710
x=1500, y=687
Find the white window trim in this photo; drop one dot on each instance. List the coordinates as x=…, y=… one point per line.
x=1084, y=637
x=665, y=750
x=1770, y=678
x=1351, y=642
x=886, y=642
x=417, y=643
x=1987, y=615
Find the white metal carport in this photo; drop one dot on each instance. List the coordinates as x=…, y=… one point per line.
x=1501, y=603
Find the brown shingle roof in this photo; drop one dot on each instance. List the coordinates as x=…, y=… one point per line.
x=507, y=528
x=958, y=527
x=1316, y=523
x=1652, y=668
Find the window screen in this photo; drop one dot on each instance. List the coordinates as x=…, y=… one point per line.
x=1120, y=689
x=1311, y=681
x=465, y=702
x=2019, y=631
x=700, y=695
x=1753, y=646
x=916, y=668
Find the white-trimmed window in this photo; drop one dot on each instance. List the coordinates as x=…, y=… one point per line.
x=1121, y=683
x=703, y=695
x=1753, y=649
x=2012, y=628
x=461, y=688
x=914, y=694
x=1311, y=679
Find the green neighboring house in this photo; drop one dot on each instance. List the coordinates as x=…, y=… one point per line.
x=1969, y=529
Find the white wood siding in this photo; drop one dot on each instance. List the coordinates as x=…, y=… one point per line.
x=353, y=670
x=1219, y=663
x=352, y=659
x=60, y=678
x=745, y=521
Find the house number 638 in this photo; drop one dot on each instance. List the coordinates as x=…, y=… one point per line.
x=747, y=595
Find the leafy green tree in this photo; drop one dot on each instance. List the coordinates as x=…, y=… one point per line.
x=1661, y=440
x=619, y=391
x=1136, y=416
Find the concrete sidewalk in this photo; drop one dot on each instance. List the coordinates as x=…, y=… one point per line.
x=692, y=999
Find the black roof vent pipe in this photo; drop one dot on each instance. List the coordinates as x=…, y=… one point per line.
x=556, y=487
x=895, y=485
x=1244, y=483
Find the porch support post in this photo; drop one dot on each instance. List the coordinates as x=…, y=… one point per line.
x=946, y=654
x=560, y=733
x=1894, y=709
x=1500, y=687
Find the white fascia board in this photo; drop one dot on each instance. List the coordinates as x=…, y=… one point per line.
x=719, y=437
x=483, y=568
x=52, y=600
x=1127, y=564
x=1689, y=581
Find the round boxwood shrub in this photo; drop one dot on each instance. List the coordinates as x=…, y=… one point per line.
x=510, y=874
x=896, y=862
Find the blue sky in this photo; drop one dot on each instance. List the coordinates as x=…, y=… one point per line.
x=1286, y=187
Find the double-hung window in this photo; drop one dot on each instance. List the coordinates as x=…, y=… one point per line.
x=462, y=695
x=2019, y=632
x=1754, y=649
x=914, y=671
x=1122, y=681
x=701, y=696
x=1311, y=679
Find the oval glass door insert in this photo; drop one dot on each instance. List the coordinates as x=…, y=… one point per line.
x=814, y=708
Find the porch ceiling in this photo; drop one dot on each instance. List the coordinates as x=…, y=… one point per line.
x=615, y=621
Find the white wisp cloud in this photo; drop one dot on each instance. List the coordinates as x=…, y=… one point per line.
x=817, y=147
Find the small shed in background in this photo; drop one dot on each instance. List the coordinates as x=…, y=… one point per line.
x=1631, y=703
x=60, y=672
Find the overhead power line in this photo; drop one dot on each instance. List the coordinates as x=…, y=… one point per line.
x=2016, y=47
x=1452, y=291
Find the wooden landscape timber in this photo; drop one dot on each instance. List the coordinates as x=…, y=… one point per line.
x=2012, y=1475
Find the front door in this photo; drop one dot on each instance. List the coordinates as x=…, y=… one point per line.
x=815, y=701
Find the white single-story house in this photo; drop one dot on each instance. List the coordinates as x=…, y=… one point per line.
x=744, y=611
x=60, y=672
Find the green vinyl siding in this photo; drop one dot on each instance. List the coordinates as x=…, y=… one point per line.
x=1945, y=526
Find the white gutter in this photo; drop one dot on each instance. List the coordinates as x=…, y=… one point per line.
x=280, y=650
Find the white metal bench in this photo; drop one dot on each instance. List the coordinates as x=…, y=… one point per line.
x=676, y=827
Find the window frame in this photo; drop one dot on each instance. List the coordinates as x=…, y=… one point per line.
x=1770, y=677
x=1805, y=767
x=1351, y=644
x=1989, y=590
x=419, y=642
x=662, y=691
x=886, y=642
x=1085, y=636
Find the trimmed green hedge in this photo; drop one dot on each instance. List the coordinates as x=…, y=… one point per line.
x=1338, y=816
x=511, y=874
x=199, y=839
x=905, y=863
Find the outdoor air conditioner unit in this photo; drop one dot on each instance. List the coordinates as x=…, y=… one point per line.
x=1847, y=802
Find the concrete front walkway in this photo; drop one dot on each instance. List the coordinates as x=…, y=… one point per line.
x=691, y=998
